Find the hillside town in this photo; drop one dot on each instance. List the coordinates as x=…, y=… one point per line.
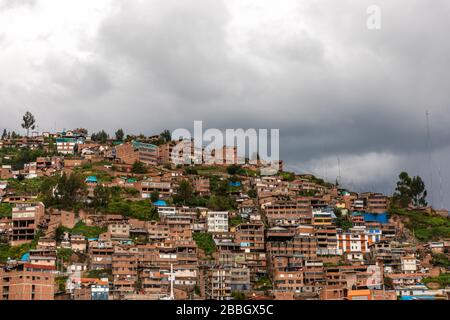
x=93, y=217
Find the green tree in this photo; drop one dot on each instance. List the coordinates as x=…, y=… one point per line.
x=28, y=122
x=101, y=137
x=218, y=187
x=138, y=168
x=5, y=210
x=166, y=136
x=102, y=196
x=205, y=242
x=220, y=203
x=69, y=191
x=154, y=196
x=120, y=135
x=4, y=134
x=235, y=169
x=252, y=193
x=238, y=295
x=142, y=210
x=184, y=192
x=47, y=190
x=52, y=146
x=190, y=171
x=288, y=176
x=418, y=192
x=402, y=195
x=26, y=155
x=410, y=190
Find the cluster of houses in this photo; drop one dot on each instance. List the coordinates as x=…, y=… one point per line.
x=285, y=239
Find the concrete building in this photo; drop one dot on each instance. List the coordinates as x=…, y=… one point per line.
x=217, y=221
x=218, y=283
x=288, y=213
x=408, y=264
x=66, y=145
x=325, y=232
x=26, y=217
x=147, y=187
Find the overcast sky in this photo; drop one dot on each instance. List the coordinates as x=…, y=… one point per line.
x=311, y=68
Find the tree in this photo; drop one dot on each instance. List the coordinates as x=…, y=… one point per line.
x=69, y=191
x=235, y=169
x=138, y=168
x=24, y=156
x=410, y=190
x=154, y=196
x=184, y=193
x=402, y=196
x=218, y=187
x=418, y=192
x=120, y=135
x=252, y=193
x=166, y=136
x=4, y=135
x=288, y=176
x=28, y=122
x=238, y=295
x=101, y=137
x=102, y=196
x=220, y=203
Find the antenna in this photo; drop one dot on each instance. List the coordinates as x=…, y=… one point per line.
x=429, y=156
x=339, y=169
x=441, y=196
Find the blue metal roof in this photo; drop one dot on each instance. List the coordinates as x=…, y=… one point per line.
x=26, y=257
x=92, y=179
x=160, y=203
x=235, y=184
x=376, y=217
x=408, y=298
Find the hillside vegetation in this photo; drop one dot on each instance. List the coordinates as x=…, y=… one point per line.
x=424, y=226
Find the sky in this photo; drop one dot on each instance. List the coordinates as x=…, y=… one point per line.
x=349, y=101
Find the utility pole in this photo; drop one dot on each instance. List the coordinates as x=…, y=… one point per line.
x=171, y=279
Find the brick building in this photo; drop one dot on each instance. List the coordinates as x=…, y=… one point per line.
x=27, y=282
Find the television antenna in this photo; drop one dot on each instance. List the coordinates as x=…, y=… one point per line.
x=430, y=155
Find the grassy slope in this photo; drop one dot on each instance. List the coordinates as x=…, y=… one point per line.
x=426, y=227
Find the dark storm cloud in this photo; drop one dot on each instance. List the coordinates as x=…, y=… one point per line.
x=334, y=88
x=87, y=80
